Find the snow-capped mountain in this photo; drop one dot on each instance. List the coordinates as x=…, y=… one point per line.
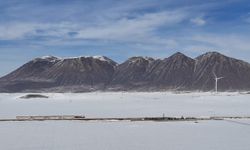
x=91, y=73
x=50, y=72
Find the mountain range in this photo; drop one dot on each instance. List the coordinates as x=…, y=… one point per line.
x=100, y=73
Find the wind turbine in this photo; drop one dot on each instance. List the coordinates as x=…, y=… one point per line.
x=216, y=81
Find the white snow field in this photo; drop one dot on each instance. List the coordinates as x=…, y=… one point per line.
x=100, y=135
x=77, y=135
x=128, y=104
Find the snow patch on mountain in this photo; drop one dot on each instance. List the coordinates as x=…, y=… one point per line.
x=54, y=58
x=47, y=58
x=138, y=58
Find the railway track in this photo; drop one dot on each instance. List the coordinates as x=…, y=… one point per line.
x=83, y=118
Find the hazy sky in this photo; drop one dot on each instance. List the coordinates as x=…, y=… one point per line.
x=121, y=28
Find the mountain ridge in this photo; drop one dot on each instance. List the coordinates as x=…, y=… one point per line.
x=100, y=73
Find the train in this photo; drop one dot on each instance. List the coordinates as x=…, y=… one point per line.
x=56, y=117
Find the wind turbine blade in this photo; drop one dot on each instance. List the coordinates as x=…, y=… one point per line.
x=220, y=78
x=214, y=74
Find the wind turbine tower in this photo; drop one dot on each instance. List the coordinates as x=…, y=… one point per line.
x=216, y=81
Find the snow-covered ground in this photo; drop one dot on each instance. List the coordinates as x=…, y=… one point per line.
x=77, y=135
x=96, y=135
x=128, y=104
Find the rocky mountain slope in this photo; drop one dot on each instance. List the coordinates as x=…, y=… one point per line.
x=81, y=74
x=49, y=72
x=236, y=73
x=174, y=72
x=131, y=73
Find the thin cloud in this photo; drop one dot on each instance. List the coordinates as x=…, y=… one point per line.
x=124, y=29
x=20, y=31
x=198, y=21
x=225, y=41
x=246, y=17
x=138, y=27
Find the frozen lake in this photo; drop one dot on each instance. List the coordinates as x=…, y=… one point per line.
x=77, y=135
x=128, y=104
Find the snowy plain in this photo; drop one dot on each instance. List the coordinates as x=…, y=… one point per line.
x=77, y=135
x=125, y=135
x=137, y=104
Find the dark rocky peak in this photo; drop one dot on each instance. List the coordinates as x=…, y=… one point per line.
x=173, y=72
x=212, y=56
x=32, y=69
x=178, y=56
x=216, y=59
x=179, y=60
x=135, y=63
x=131, y=72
